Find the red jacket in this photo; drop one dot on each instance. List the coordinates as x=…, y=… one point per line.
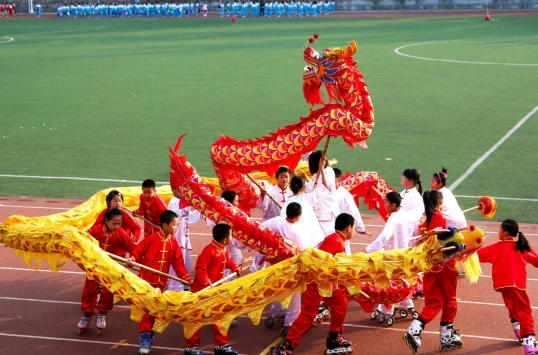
x=128, y=224
x=211, y=265
x=508, y=263
x=334, y=243
x=438, y=221
x=151, y=210
x=116, y=242
x=159, y=253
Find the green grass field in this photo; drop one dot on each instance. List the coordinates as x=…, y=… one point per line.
x=102, y=98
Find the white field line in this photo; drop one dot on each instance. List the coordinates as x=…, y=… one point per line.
x=397, y=51
x=35, y=207
x=491, y=150
x=72, y=30
x=427, y=332
x=9, y=39
x=167, y=182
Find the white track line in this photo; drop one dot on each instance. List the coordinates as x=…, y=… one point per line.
x=23, y=269
x=9, y=39
x=36, y=207
x=397, y=51
x=426, y=332
x=492, y=149
x=78, y=340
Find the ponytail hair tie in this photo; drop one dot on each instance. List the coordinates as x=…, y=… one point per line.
x=418, y=182
x=444, y=174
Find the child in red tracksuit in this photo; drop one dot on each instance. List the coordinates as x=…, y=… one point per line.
x=159, y=251
x=439, y=286
x=151, y=206
x=210, y=267
x=114, y=240
x=509, y=258
x=114, y=199
x=333, y=244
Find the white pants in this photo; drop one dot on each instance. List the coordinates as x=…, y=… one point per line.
x=255, y=266
x=174, y=285
x=327, y=227
x=293, y=311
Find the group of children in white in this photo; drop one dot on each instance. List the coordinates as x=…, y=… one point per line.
x=315, y=215
x=186, y=9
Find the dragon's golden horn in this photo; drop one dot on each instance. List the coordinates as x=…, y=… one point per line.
x=342, y=54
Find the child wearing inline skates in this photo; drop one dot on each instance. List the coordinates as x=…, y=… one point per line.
x=509, y=258
x=113, y=239
x=439, y=286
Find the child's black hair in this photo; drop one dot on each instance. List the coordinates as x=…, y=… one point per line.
x=511, y=226
x=167, y=217
x=394, y=197
x=313, y=161
x=281, y=170
x=111, y=196
x=337, y=173
x=293, y=210
x=229, y=196
x=111, y=213
x=221, y=231
x=414, y=175
x=431, y=198
x=148, y=183
x=343, y=221
x=296, y=184
x=441, y=177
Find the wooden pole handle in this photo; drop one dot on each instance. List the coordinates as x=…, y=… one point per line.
x=322, y=157
x=472, y=209
x=216, y=283
x=266, y=194
x=119, y=258
x=142, y=218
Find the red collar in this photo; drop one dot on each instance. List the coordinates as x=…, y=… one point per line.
x=338, y=233
x=218, y=245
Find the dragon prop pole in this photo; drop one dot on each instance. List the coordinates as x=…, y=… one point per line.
x=323, y=156
x=141, y=217
x=262, y=189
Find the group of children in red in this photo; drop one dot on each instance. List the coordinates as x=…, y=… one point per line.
x=7, y=9
x=118, y=233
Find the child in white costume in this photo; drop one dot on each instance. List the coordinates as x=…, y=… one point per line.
x=412, y=198
x=451, y=209
x=348, y=205
x=185, y=217
x=395, y=235
x=280, y=193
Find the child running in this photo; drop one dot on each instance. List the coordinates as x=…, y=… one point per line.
x=336, y=344
x=113, y=239
x=159, y=250
x=210, y=267
x=509, y=258
x=439, y=287
x=151, y=206
x=451, y=209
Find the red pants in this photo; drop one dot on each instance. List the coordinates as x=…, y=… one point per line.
x=311, y=301
x=146, y=324
x=89, y=298
x=519, y=308
x=217, y=336
x=440, y=294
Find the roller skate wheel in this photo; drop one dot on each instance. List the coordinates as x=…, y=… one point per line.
x=234, y=323
x=99, y=330
x=326, y=314
x=269, y=322
x=381, y=319
x=415, y=314
x=390, y=321
x=284, y=332
x=403, y=313
x=373, y=315
x=281, y=321
x=81, y=331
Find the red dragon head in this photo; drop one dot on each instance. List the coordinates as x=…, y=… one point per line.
x=325, y=69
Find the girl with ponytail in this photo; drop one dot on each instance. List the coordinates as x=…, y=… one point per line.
x=509, y=257
x=440, y=286
x=411, y=198
x=451, y=209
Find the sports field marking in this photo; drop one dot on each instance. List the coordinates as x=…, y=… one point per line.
x=501, y=198
x=491, y=150
x=72, y=30
x=397, y=51
x=35, y=207
x=427, y=332
x=9, y=39
x=22, y=269
x=267, y=349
